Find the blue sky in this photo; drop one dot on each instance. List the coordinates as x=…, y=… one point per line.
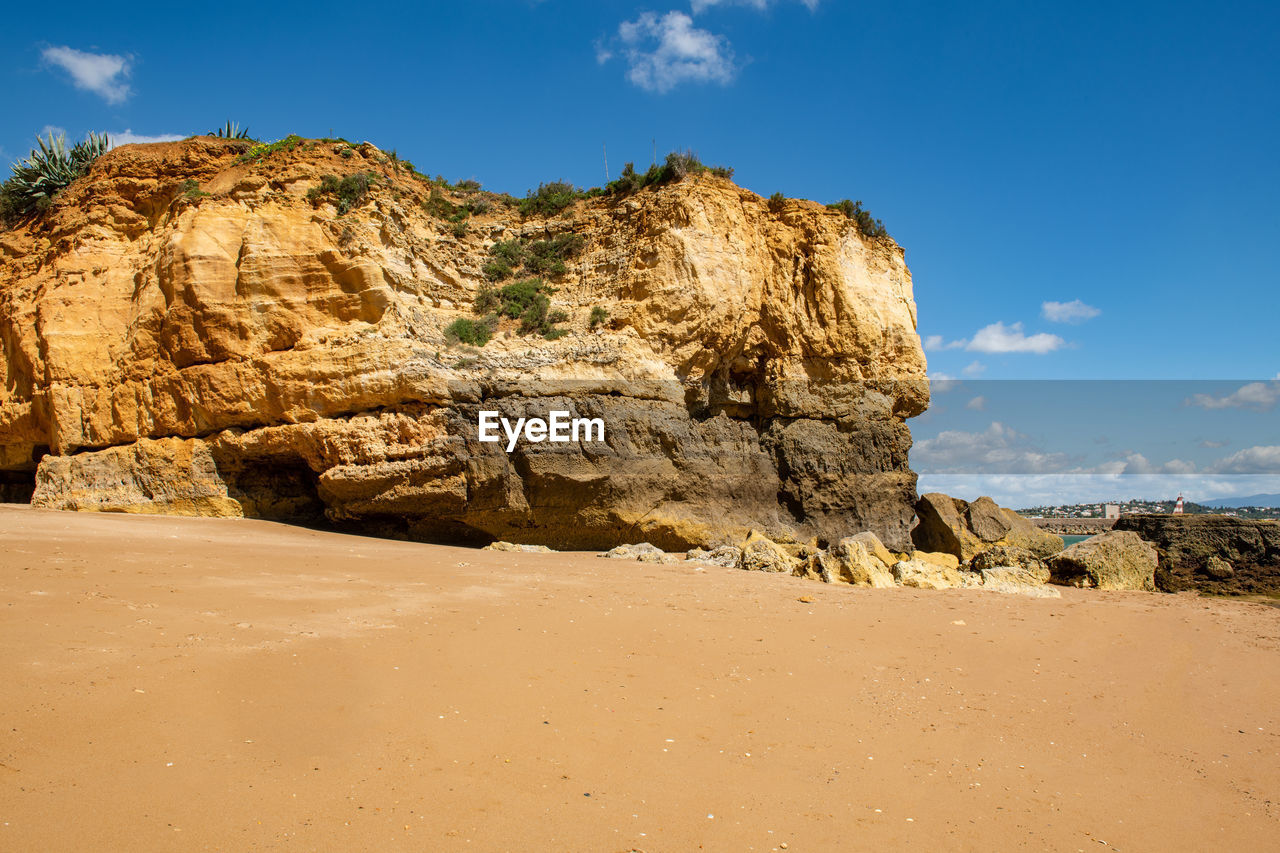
x=1084, y=190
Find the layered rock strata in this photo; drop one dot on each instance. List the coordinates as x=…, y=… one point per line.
x=186, y=332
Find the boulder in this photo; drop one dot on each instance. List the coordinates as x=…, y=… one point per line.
x=817, y=567
x=966, y=529
x=643, y=553
x=851, y=560
x=874, y=546
x=925, y=575
x=524, y=549
x=726, y=556
x=1015, y=580
x=762, y=554
x=1218, y=568
x=938, y=558
x=1004, y=556
x=1185, y=544
x=1112, y=560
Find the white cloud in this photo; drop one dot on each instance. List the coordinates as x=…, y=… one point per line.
x=934, y=343
x=1256, y=395
x=663, y=52
x=52, y=130
x=1074, y=311
x=942, y=382
x=1251, y=460
x=700, y=6
x=977, y=404
x=1024, y=490
x=998, y=449
x=1213, y=445
x=999, y=338
x=974, y=368
x=101, y=73
x=128, y=137
x=1132, y=464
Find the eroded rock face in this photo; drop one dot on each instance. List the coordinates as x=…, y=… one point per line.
x=1111, y=560
x=954, y=526
x=248, y=352
x=1004, y=556
x=1211, y=553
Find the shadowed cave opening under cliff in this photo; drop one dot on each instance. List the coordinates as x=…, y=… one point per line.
x=17, y=487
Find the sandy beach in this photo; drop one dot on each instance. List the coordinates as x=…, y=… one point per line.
x=225, y=684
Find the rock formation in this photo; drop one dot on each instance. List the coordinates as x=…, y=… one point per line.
x=1112, y=560
x=1211, y=553
x=954, y=526
x=186, y=331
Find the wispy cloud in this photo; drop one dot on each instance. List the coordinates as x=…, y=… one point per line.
x=1000, y=449
x=941, y=383
x=999, y=338
x=996, y=450
x=974, y=368
x=128, y=137
x=663, y=52
x=1072, y=312
x=700, y=6
x=1024, y=490
x=101, y=73
x=936, y=343
x=977, y=404
x=1261, y=396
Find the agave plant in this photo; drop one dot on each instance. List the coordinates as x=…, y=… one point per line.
x=46, y=171
x=230, y=131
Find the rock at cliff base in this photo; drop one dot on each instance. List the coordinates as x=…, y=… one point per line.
x=874, y=546
x=922, y=574
x=522, y=549
x=938, y=558
x=725, y=556
x=1001, y=556
x=1111, y=560
x=1015, y=580
x=855, y=562
x=761, y=554
x=643, y=553
x=966, y=529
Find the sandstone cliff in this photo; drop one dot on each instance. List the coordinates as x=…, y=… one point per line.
x=185, y=332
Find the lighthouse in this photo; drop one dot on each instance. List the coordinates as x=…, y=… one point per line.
x=1177, y=508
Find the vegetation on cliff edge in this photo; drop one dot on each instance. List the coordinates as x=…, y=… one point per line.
x=45, y=172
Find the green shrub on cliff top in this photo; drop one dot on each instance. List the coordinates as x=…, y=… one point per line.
x=549, y=199
x=45, y=172
x=678, y=165
x=231, y=130
x=868, y=225
x=259, y=152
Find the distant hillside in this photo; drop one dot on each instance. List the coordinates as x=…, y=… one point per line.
x=1247, y=500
